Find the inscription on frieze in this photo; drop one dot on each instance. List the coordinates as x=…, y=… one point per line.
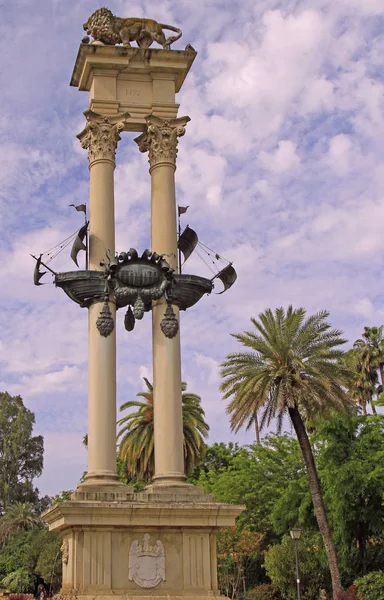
x=136, y=92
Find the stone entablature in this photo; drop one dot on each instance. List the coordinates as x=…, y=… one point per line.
x=140, y=82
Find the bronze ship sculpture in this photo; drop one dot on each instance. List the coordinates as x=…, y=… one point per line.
x=134, y=281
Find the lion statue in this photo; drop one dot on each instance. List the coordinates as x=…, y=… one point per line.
x=104, y=27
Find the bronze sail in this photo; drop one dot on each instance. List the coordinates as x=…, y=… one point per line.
x=228, y=276
x=187, y=242
x=78, y=244
x=37, y=275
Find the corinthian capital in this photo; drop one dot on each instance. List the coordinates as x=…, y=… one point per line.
x=101, y=135
x=160, y=139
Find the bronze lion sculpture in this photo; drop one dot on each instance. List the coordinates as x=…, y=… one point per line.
x=104, y=27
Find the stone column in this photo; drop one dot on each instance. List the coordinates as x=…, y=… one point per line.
x=160, y=140
x=100, y=138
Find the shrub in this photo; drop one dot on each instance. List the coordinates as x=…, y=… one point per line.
x=280, y=565
x=19, y=580
x=349, y=594
x=371, y=586
x=266, y=591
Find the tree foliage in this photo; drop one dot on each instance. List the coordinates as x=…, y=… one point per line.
x=280, y=565
x=137, y=435
x=351, y=464
x=371, y=586
x=293, y=366
x=29, y=556
x=371, y=348
x=271, y=481
x=20, y=515
x=217, y=458
x=235, y=550
x=21, y=453
x=264, y=591
x=363, y=385
x=21, y=580
x=257, y=476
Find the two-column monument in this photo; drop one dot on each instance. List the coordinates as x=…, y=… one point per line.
x=162, y=542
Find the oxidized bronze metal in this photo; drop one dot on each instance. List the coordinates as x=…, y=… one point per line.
x=134, y=282
x=129, y=319
x=169, y=323
x=105, y=323
x=83, y=287
x=187, y=290
x=138, y=281
x=86, y=287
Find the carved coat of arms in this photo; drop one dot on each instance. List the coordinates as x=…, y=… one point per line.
x=146, y=563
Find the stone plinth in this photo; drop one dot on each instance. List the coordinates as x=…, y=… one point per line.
x=140, y=82
x=98, y=538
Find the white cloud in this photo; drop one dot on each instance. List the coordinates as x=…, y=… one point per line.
x=340, y=154
x=210, y=365
x=364, y=307
x=319, y=96
x=283, y=159
x=146, y=372
x=369, y=7
x=67, y=380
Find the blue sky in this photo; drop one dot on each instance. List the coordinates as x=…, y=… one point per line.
x=281, y=166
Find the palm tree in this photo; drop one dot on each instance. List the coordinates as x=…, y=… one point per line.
x=364, y=384
x=293, y=366
x=20, y=515
x=137, y=439
x=371, y=349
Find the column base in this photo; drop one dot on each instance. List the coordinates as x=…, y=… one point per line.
x=170, y=479
x=103, y=490
x=183, y=492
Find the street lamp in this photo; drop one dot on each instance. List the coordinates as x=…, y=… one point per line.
x=295, y=535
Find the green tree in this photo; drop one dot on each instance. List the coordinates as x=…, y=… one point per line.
x=217, y=458
x=235, y=551
x=63, y=496
x=293, y=367
x=20, y=580
x=257, y=476
x=20, y=515
x=29, y=556
x=371, y=349
x=137, y=437
x=48, y=564
x=351, y=467
x=21, y=453
x=279, y=562
x=364, y=383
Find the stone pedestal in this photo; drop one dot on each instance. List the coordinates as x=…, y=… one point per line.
x=105, y=552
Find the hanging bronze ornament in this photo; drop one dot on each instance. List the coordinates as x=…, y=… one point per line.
x=105, y=323
x=169, y=324
x=129, y=319
x=138, y=308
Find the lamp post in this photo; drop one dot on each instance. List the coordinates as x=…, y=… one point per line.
x=295, y=535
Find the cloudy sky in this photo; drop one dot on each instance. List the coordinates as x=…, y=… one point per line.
x=281, y=166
